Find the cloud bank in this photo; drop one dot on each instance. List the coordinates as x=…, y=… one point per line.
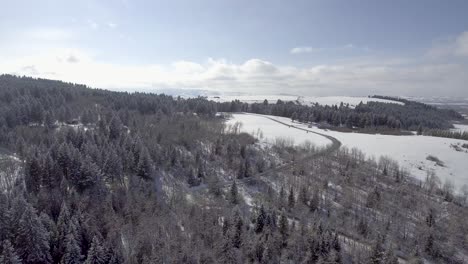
x=393, y=76
x=300, y=50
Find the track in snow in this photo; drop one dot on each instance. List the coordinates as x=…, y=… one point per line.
x=336, y=144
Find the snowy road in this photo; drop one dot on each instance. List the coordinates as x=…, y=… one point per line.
x=323, y=151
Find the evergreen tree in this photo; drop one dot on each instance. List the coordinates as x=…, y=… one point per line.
x=294, y=116
x=8, y=254
x=15, y=215
x=96, y=253
x=241, y=172
x=86, y=175
x=390, y=257
x=72, y=253
x=284, y=229
x=291, y=199
x=281, y=198
x=4, y=218
x=113, y=168
x=234, y=194
x=314, y=202
x=377, y=255
x=260, y=223
x=238, y=226
x=227, y=253
x=33, y=175
x=32, y=238
x=63, y=225
x=420, y=130
x=303, y=196
x=49, y=120
x=115, y=127
x=144, y=167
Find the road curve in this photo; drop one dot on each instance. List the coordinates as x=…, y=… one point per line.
x=336, y=144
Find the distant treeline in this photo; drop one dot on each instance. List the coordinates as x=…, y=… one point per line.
x=447, y=134
x=409, y=116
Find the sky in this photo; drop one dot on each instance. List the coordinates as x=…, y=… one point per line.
x=314, y=47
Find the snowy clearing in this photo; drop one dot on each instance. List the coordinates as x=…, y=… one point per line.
x=460, y=128
x=269, y=131
x=303, y=100
x=410, y=152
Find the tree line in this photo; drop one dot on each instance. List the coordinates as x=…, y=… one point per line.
x=377, y=115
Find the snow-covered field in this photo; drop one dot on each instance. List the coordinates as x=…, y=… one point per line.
x=460, y=128
x=304, y=100
x=269, y=131
x=409, y=151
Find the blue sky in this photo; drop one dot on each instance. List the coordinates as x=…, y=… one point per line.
x=315, y=47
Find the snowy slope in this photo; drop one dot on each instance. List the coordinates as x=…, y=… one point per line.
x=460, y=128
x=304, y=100
x=268, y=130
x=410, y=151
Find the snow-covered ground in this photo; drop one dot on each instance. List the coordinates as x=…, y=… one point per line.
x=304, y=100
x=269, y=131
x=409, y=151
x=460, y=128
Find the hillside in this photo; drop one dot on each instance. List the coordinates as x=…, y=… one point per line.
x=94, y=176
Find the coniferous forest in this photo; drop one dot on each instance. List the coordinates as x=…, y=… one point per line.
x=94, y=176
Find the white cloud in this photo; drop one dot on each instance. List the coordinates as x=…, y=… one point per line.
x=308, y=49
x=450, y=47
x=112, y=25
x=92, y=24
x=252, y=76
x=47, y=34
x=300, y=50
x=462, y=44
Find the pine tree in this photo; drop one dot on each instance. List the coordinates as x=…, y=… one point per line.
x=314, y=202
x=15, y=214
x=51, y=177
x=49, y=120
x=87, y=174
x=33, y=175
x=4, y=218
x=420, y=130
x=429, y=247
x=390, y=257
x=144, y=167
x=284, y=229
x=72, y=253
x=62, y=228
x=238, y=226
x=32, y=238
x=377, y=256
x=241, y=172
x=96, y=253
x=291, y=199
x=260, y=223
x=8, y=254
x=281, y=198
x=234, y=194
x=294, y=116
x=227, y=253
x=113, y=168
x=115, y=127
x=303, y=196
x=115, y=257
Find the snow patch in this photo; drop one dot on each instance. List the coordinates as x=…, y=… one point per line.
x=269, y=131
x=410, y=152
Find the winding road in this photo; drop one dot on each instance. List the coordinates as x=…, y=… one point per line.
x=335, y=145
